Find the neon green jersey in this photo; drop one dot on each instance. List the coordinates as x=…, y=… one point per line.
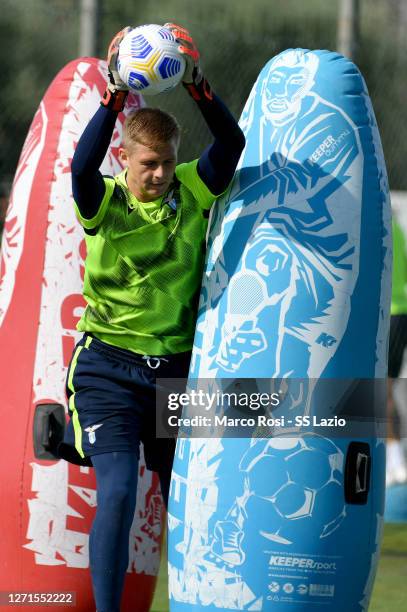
x=399, y=288
x=144, y=265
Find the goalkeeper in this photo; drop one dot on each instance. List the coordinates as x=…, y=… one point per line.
x=145, y=232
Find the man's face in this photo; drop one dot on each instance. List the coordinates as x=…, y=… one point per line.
x=150, y=170
x=283, y=92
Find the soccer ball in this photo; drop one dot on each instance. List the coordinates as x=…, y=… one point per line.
x=304, y=496
x=149, y=61
x=292, y=493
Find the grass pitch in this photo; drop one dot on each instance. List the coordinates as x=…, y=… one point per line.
x=390, y=590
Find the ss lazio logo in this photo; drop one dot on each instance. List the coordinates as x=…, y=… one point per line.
x=91, y=432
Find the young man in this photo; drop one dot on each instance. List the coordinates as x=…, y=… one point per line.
x=145, y=232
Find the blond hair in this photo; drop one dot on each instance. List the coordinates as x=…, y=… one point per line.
x=151, y=127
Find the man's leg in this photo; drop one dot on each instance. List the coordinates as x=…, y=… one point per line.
x=116, y=476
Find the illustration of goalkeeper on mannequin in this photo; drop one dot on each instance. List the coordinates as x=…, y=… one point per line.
x=294, y=238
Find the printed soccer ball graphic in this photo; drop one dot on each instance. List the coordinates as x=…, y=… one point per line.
x=149, y=61
x=293, y=490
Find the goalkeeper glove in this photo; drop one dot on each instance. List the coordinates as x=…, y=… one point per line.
x=193, y=79
x=116, y=90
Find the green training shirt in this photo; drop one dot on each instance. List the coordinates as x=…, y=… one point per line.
x=144, y=265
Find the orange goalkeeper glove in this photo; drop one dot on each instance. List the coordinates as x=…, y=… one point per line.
x=116, y=90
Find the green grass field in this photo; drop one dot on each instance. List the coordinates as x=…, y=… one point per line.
x=390, y=590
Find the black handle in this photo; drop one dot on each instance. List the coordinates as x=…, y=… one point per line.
x=357, y=473
x=48, y=430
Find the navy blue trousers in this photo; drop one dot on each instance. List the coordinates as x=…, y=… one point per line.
x=112, y=405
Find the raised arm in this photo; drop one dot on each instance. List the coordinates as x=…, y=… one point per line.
x=88, y=187
x=218, y=162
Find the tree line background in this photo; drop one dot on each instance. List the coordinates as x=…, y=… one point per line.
x=236, y=38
